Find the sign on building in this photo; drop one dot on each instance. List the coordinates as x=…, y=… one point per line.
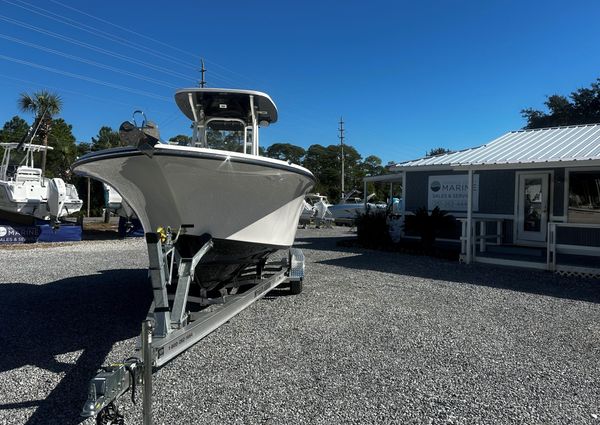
x=450, y=192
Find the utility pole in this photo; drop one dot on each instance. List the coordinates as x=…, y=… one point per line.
x=341, y=137
x=202, y=71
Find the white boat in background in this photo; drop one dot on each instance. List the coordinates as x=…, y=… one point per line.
x=26, y=192
x=246, y=204
x=315, y=206
x=351, y=206
x=115, y=204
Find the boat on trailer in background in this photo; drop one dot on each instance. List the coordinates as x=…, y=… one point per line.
x=314, y=207
x=25, y=192
x=115, y=204
x=214, y=212
x=351, y=206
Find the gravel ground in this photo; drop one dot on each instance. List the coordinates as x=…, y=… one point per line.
x=374, y=338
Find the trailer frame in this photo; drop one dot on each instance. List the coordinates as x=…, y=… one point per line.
x=176, y=322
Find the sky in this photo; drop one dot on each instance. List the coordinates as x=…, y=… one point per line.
x=405, y=76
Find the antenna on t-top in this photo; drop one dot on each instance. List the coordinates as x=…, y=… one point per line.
x=202, y=71
x=341, y=137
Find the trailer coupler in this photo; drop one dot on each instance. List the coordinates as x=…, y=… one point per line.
x=110, y=383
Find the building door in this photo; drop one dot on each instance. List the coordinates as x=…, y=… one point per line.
x=532, y=207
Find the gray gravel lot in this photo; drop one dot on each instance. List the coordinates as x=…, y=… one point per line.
x=375, y=337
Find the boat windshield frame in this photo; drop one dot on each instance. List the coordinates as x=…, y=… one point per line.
x=27, y=160
x=202, y=136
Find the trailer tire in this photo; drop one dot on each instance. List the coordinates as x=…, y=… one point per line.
x=296, y=287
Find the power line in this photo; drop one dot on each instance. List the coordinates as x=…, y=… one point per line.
x=61, y=90
x=194, y=55
x=105, y=51
x=111, y=37
x=95, y=48
x=232, y=72
x=86, y=61
x=84, y=78
x=96, y=32
x=90, y=30
x=164, y=123
x=170, y=122
x=123, y=28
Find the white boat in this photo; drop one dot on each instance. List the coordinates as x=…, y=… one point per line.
x=314, y=206
x=25, y=191
x=351, y=206
x=247, y=204
x=115, y=204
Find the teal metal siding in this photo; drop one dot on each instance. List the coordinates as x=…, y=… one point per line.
x=558, y=198
x=578, y=236
x=496, y=192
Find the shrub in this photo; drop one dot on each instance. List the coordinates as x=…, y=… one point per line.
x=372, y=228
x=427, y=226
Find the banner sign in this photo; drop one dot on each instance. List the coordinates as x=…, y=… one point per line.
x=18, y=234
x=450, y=192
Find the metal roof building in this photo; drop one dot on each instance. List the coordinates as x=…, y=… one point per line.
x=538, y=189
x=557, y=146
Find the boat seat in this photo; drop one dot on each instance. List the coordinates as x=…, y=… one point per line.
x=24, y=174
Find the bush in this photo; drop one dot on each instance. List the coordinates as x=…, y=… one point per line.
x=427, y=226
x=372, y=229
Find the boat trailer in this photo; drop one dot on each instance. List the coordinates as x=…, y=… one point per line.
x=177, y=321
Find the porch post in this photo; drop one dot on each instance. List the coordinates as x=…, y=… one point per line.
x=403, y=198
x=469, y=215
x=365, y=194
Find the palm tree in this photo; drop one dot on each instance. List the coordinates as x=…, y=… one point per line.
x=44, y=105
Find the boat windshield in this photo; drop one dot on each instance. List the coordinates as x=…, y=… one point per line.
x=227, y=135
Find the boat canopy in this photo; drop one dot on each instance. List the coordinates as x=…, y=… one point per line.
x=226, y=103
x=237, y=111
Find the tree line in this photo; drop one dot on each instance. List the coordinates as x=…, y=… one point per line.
x=582, y=106
x=323, y=161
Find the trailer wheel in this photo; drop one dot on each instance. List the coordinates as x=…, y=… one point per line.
x=296, y=287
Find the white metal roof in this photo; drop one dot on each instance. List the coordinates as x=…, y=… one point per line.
x=573, y=144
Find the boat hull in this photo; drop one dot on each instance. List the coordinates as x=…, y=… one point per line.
x=249, y=205
x=34, y=204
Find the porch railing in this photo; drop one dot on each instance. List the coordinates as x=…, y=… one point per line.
x=555, y=247
x=480, y=235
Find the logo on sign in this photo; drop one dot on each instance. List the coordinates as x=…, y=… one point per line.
x=450, y=192
x=3, y=231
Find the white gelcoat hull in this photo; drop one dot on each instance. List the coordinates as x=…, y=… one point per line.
x=230, y=196
x=346, y=211
x=35, y=203
x=349, y=212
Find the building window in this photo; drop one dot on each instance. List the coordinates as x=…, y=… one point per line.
x=584, y=197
